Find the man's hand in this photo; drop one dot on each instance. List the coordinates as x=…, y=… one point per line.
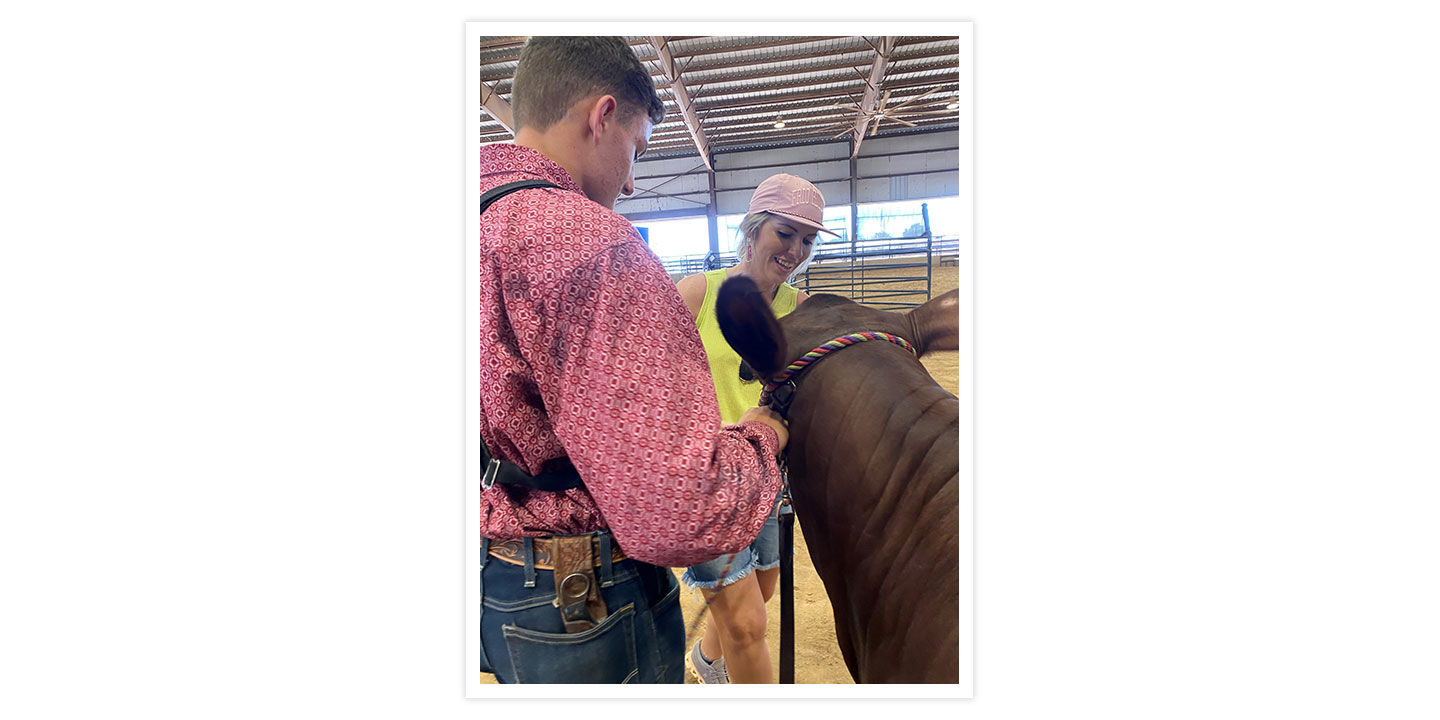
x=769, y=417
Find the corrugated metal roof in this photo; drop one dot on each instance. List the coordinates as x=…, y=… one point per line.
x=740, y=86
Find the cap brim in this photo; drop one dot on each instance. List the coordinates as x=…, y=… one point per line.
x=807, y=223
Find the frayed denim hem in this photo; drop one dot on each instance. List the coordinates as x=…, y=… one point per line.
x=689, y=579
x=771, y=566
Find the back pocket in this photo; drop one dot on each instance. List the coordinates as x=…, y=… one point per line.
x=602, y=654
x=670, y=634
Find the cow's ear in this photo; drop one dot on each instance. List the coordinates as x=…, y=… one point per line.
x=750, y=327
x=936, y=324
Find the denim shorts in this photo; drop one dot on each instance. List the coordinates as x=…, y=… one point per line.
x=763, y=554
x=523, y=639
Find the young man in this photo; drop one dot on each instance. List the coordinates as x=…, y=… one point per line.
x=590, y=358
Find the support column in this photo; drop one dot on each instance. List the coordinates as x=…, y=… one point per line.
x=854, y=206
x=711, y=214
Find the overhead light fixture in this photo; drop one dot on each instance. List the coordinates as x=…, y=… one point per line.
x=779, y=124
x=952, y=106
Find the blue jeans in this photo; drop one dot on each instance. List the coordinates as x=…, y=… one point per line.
x=763, y=554
x=523, y=639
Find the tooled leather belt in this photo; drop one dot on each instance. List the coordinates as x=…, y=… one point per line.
x=513, y=552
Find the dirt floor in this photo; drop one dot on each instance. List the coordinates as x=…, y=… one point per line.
x=817, y=657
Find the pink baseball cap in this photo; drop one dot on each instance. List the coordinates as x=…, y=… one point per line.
x=792, y=198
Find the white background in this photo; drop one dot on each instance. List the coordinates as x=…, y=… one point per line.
x=1207, y=410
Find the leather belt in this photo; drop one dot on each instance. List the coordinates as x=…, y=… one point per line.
x=513, y=552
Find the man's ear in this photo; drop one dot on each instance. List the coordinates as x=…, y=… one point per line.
x=601, y=115
x=750, y=327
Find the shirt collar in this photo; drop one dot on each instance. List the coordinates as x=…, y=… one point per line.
x=503, y=158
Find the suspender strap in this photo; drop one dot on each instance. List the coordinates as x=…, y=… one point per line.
x=500, y=191
x=564, y=477
x=496, y=470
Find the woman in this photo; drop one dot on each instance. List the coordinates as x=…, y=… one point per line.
x=779, y=234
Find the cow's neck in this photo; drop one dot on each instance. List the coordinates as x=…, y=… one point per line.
x=861, y=419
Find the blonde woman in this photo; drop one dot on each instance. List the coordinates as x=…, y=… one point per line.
x=779, y=232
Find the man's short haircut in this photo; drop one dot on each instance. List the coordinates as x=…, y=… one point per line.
x=555, y=72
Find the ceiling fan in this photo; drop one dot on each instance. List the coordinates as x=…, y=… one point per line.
x=908, y=109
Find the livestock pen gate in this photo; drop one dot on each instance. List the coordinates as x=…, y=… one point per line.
x=882, y=201
x=882, y=272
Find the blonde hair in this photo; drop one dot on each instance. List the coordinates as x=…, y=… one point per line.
x=750, y=229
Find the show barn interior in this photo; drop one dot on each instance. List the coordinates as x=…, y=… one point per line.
x=871, y=121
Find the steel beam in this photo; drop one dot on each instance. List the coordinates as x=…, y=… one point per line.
x=830, y=93
x=497, y=107
x=872, y=89
x=662, y=214
x=818, y=67
x=682, y=97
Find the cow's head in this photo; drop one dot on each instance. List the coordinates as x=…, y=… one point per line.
x=768, y=345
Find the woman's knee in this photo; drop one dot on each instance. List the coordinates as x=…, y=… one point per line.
x=744, y=625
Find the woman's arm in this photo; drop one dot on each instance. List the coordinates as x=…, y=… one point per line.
x=692, y=291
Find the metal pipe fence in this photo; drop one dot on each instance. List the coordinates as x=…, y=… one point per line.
x=883, y=272
x=887, y=273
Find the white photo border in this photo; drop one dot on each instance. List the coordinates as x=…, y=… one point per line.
x=966, y=131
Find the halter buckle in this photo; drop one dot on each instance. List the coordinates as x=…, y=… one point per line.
x=781, y=396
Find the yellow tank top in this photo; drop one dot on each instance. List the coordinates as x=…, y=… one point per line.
x=734, y=395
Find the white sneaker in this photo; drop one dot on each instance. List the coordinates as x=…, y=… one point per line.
x=704, y=672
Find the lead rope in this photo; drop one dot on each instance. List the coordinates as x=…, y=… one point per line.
x=695, y=624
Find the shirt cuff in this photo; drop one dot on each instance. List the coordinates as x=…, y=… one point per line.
x=769, y=439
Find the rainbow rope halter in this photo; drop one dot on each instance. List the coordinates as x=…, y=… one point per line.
x=779, y=392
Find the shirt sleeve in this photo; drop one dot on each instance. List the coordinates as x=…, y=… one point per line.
x=624, y=379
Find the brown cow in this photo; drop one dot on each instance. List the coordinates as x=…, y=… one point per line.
x=874, y=469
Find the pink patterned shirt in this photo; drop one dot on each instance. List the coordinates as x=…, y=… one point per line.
x=587, y=350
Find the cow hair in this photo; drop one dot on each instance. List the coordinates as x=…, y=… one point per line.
x=750, y=327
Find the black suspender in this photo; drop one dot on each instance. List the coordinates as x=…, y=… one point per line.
x=500, y=191
x=508, y=473
x=496, y=470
